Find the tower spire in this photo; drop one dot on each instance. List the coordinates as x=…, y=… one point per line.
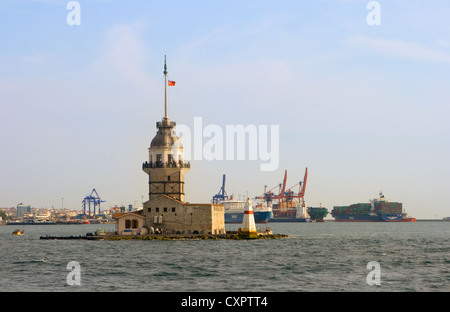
x=166, y=117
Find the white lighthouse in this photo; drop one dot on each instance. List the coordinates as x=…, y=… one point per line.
x=248, y=229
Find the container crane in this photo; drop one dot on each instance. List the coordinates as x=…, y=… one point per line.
x=221, y=195
x=95, y=200
x=268, y=196
x=285, y=197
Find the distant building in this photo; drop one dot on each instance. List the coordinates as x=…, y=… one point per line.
x=166, y=210
x=23, y=209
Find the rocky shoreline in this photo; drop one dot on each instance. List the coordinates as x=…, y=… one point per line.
x=233, y=236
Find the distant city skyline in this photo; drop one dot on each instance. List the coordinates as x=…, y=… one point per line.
x=358, y=90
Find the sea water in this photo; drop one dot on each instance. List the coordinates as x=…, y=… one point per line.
x=316, y=257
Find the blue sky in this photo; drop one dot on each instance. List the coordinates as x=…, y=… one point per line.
x=365, y=108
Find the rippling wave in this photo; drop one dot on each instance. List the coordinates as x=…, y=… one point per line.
x=317, y=257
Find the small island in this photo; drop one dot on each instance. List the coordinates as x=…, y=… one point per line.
x=112, y=236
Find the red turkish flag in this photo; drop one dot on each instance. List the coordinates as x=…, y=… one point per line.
x=171, y=83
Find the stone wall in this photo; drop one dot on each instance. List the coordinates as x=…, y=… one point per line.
x=173, y=216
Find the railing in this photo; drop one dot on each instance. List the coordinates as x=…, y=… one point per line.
x=171, y=124
x=172, y=164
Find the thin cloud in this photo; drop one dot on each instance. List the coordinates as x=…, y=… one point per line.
x=124, y=50
x=401, y=48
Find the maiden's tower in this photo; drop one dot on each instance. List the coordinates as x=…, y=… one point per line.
x=166, y=210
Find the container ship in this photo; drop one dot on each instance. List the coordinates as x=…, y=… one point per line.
x=287, y=205
x=234, y=209
x=378, y=210
x=317, y=213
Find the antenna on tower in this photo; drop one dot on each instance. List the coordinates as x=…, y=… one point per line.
x=166, y=117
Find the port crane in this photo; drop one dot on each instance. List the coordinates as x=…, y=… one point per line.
x=95, y=200
x=221, y=195
x=285, y=199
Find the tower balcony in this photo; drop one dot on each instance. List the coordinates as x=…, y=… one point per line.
x=171, y=164
x=166, y=124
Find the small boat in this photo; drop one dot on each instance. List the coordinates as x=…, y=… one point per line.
x=100, y=232
x=18, y=232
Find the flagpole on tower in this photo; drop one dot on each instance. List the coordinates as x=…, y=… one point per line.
x=165, y=87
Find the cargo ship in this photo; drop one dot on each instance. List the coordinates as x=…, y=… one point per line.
x=287, y=205
x=289, y=213
x=234, y=209
x=317, y=213
x=378, y=210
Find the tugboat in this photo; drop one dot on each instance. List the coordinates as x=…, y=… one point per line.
x=18, y=232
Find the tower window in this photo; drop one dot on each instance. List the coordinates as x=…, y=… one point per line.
x=149, y=209
x=168, y=178
x=173, y=209
x=165, y=209
x=158, y=158
x=157, y=209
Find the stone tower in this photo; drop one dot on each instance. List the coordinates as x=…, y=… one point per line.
x=166, y=167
